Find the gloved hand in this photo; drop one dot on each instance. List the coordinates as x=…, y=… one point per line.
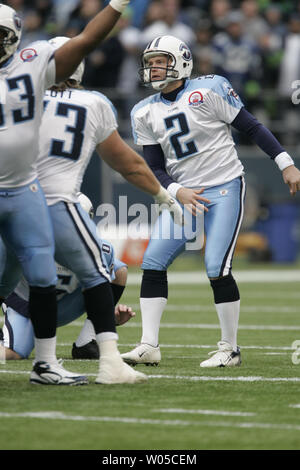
x=119, y=5
x=164, y=197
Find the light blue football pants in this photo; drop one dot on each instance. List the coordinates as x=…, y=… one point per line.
x=221, y=227
x=26, y=231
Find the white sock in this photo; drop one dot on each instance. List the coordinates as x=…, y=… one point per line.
x=151, y=310
x=86, y=335
x=107, y=343
x=228, y=314
x=45, y=349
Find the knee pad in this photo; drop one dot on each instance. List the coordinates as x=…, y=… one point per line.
x=154, y=284
x=225, y=289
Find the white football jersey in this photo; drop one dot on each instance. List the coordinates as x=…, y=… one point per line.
x=67, y=283
x=73, y=124
x=23, y=81
x=193, y=131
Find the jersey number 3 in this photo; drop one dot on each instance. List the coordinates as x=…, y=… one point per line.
x=182, y=149
x=57, y=147
x=28, y=97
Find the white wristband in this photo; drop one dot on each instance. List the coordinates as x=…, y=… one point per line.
x=119, y=5
x=284, y=160
x=173, y=188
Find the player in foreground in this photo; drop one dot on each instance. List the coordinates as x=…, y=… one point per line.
x=75, y=122
x=18, y=335
x=185, y=133
x=25, y=224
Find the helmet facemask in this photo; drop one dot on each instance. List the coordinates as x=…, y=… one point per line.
x=10, y=32
x=8, y=40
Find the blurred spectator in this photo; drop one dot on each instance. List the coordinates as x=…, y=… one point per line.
x=290, y=64
x=271, y=46
x=62, y=10
x=203, y=50
x=219, y=10
x=33, y=30
x=153, y=14
x=128, y=79
x=168, y=22
x=254, y=24
x=103, y=66
x=237, y=58
x=274, y=18
x=83, y=13
x=18, y=5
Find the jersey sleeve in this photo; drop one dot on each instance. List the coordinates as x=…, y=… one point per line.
x=106, y=116
x=225, y=102
x=141, y=132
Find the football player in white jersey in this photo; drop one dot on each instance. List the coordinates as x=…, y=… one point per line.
x=74, y=123
x=186, y=137
x=18, y=337
x=25, y=226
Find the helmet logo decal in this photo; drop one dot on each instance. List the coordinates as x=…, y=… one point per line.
x=18, y=22
x=195, y=99
x=186, y=52
x=28, y=55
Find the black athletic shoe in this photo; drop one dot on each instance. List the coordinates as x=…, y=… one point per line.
x=88, y=351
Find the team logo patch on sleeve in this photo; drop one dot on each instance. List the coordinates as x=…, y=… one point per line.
x=195, y=99
x=28, y=55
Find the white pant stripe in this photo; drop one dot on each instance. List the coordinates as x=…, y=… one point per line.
x=227, y=265
x=91, y=244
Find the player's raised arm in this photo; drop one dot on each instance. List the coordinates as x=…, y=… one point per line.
x=69, y=56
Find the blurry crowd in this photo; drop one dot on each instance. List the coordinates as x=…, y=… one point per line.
x=255, y=44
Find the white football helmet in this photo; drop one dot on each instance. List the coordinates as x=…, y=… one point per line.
x=180, y=61
x=86, y=204
x=11, y=29
x=57, y=43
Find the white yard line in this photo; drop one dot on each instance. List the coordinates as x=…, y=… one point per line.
x=250, y=378
x=203, y=412
x=192, y=378
x=211, y=326
x=205, y=326
x=201, y=346
x=195, y=277
x=211, y=308
x=57, y=415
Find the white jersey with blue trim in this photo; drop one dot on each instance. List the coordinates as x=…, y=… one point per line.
x=193, y=131
x=74, y=123
x=23, y=81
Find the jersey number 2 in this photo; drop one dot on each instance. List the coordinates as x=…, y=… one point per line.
x=185, y=149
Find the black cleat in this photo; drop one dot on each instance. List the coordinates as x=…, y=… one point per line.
x=88, y=351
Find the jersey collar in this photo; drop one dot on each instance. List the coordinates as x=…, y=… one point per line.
x=174, y=95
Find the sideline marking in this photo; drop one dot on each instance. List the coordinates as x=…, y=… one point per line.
x=57, y=415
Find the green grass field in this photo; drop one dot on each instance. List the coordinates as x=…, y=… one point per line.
x=255, y=406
